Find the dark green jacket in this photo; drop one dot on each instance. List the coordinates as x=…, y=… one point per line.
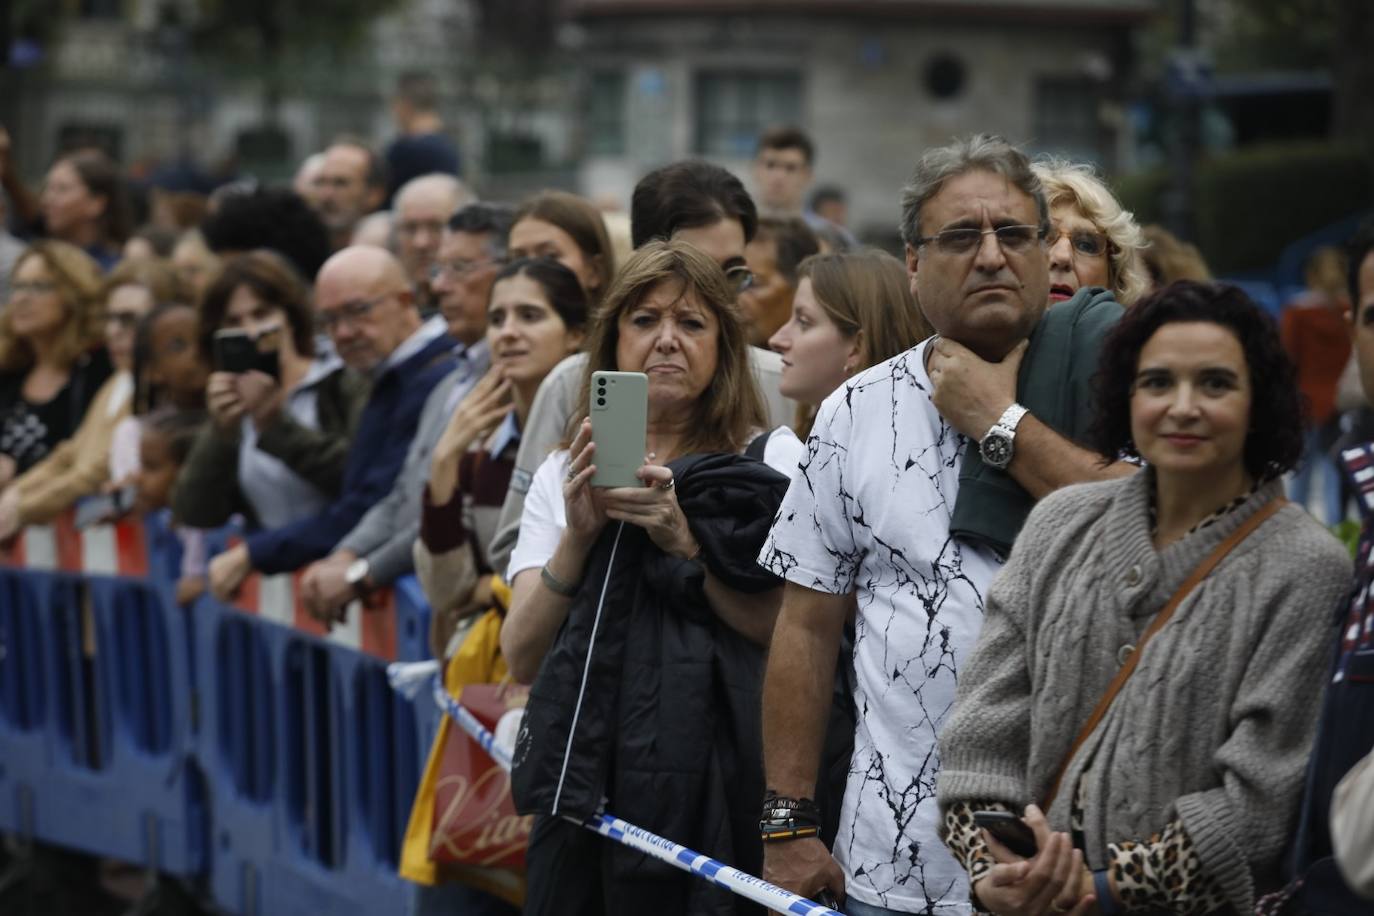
x=207, y=493
x=1055, y=384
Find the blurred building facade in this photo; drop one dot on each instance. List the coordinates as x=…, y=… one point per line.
x=873, y=81
x=632, y=84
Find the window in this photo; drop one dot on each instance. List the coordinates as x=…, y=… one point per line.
x=605, y=122
x=1066, y=120
x=101, y=9
x=734, y=107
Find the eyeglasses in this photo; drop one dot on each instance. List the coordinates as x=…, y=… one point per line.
x=125, y=320
x=740, y=277
x=1089, y=244
x=33, y=287
x=461, y=270
x=352, y=312
x=1014, y=239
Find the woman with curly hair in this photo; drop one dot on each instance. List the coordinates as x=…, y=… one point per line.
x=1093, y=241
x=51, y=363
x=1147, y=680
x=81, y=464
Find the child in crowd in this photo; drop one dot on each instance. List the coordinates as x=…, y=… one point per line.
x=165, y=439
x=168, y=371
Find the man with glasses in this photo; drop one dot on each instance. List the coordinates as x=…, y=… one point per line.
x=362, y=301
x=422, y=211
x=379, y=548
x=870, y=518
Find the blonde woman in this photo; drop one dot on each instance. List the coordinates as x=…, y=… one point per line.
x=79, y=465
x=1093, y=241
x=51, y=362
x=852, y=310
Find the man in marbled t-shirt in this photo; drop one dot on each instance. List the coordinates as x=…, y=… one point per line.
x=867, y=521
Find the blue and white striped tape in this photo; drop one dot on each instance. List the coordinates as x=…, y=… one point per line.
x=627, y=834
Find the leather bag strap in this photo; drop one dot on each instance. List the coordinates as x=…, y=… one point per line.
x=1124, y=673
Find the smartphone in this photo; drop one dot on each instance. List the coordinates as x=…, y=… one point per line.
x=237, y=351
x=620, y=417
x=1010, y=831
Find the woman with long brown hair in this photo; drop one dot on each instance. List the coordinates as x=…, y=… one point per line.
x=655, y=588
x=852, y=310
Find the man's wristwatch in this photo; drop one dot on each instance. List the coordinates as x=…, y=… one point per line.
x=356, y=576
x=999, y=444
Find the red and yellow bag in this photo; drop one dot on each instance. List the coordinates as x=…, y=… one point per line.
x=463, y=825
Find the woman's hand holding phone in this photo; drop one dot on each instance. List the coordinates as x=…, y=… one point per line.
x=582, y=504
x=1054, y=880
x=654, y=508
x=223, y=402
x=261, y=395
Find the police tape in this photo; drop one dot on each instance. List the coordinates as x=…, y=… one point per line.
x=404, y=677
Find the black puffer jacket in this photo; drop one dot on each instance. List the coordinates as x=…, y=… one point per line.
x=667, y=725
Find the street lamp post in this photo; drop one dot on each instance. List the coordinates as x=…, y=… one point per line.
x=1186, y=83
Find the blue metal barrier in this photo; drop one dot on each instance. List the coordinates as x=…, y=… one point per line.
x=97, y=719
x=274, y=767
x=412, y=620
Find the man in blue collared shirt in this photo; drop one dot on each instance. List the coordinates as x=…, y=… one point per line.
x=378, y=549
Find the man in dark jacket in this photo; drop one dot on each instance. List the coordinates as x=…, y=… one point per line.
x=1346, y=732
x=363, y=301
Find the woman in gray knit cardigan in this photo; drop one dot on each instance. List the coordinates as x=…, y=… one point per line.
x=1180, y=798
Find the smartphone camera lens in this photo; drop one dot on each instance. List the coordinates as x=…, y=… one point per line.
x=600, y=402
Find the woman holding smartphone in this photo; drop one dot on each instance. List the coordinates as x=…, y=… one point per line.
x=852, y=310
x=536, y=316
x=1147, y=680
x=652, y=590
x=275, y=448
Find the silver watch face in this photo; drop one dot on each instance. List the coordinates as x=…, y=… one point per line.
x=357, y=571
x=997, y=448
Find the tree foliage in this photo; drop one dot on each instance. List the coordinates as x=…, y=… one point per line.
x=272, y=27
x=1332, y=35
x=1275, y=34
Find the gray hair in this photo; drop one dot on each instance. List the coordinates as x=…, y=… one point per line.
x=492, y=220
x=980, y=152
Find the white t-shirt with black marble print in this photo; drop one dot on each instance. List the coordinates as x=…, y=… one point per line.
x=869, y=513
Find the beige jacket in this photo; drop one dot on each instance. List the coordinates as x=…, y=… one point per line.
x=78, y=466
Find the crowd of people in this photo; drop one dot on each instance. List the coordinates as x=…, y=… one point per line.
x=964, y=581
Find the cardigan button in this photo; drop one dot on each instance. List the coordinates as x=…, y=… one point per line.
x=1123, y=654
x=1133, y=576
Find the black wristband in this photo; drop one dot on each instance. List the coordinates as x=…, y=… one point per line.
x=786, y=818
